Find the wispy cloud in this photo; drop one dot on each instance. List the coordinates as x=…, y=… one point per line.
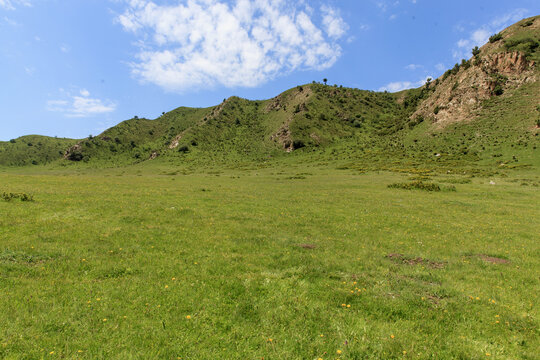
x=12, y=4
x=480, y=35
x=440, y=67
x=413, y=67
x=80, y=105
x=204, y=43
x=334, y=25
x=404, y=85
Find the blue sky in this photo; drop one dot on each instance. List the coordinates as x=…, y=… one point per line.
x=71, y=68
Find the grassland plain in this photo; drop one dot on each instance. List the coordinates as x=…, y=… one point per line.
x=298, y=261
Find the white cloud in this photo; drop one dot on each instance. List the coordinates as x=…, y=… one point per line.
x=364, y=27
x=30, y=70
x=480, y=36
x=440, y=67
x=413, y=67
x=76, y=106
x=334, y=25
x=204, y=43
x=11, y=4
x=404, y=85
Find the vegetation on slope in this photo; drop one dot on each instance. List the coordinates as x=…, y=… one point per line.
x=32, y=150
x=483, y=112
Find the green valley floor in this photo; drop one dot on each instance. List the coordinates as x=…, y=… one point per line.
x=290, y=262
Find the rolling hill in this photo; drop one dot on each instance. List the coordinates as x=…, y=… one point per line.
x=485, y=110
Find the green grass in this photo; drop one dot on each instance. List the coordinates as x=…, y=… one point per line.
x=228, y=247
x=33, y=150
x=112, y=262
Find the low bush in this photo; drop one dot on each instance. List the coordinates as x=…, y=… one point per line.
x=21, y=196
x=416, y=185
x=495, y=38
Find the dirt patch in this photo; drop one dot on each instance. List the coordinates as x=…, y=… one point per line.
x=402, y=259
x=307, y=246
x=494, y=260
x=434, y=299
x=283, y=136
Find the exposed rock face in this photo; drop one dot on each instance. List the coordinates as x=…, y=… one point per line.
x=283, y=136
x=71, y=150
x=509, y=64
x=458, y=96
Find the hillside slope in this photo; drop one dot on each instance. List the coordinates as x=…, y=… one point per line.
x=485, y=111
x=312, y=115
x=505, y=63
x=32, y=150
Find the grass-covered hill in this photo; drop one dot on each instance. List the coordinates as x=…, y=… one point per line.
x=485, y=110
x=309, y=116
x=33, y=150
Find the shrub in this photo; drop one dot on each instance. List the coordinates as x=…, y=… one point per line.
x=183, y=149
x=75, y=156
x=436, y=110
x=498, y=81
x=416, y=185
x=298, y=144
x=495, y=38
x=13, y=141
x=21, y=196
x=527, y=45
x=476, y=51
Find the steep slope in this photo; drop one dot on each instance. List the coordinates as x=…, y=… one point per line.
x=32, y=150
x=487, y=109
x=508, y=61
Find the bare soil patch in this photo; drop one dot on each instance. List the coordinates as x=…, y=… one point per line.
x=402, y=259
x=493, y=259
x=308, y=246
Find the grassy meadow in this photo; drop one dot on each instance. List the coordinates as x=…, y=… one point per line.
x=293, y=261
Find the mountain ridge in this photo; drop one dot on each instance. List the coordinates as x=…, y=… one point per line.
x=475, y=97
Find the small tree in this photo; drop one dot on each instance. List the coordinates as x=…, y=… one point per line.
x=495, y=38
x=325, y=80
x=476, y=51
